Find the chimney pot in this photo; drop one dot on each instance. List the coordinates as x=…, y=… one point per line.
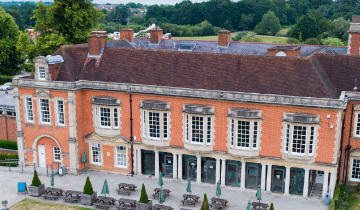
x=156, y=35
x=96, y=42
x=127, y=33
x=224, y=37
x=354, y=36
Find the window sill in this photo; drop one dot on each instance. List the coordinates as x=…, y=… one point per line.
x=121, y=167
x=155, y=142
x=96, y=164
x=243, y=152
x=306, y=158
x=198, y=147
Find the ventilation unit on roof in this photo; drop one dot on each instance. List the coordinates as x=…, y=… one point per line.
x=186, y=46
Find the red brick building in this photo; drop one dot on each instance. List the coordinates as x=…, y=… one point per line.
x=244, y=114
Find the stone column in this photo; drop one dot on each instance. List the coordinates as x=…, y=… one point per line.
x=287, y=180
x=263, y=175
x=198, y=169
x=242, y=180
x=223, y=171
x=139, y=162
x=180, y=167
x=332, y=184
x=73, y=144
x=306, y=183
x=175, y=166
x=156, y=163
x=268, y=178
x=19, y=132
x=325, y=183
x=217, y=176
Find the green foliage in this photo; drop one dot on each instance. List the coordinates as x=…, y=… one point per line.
x=249, y=38
x=10, y=58
x=312, y=41
x=88, y=189
x=269, y=25
x=143, y=195
x=8, y=144
x=239, y=35
x=292, y=41
x=119, y=14
x=271, y=206
x=203, y=29
x=339, y=28
x=205, y=204
x=4, y=156
x=5, y=78
x=35, y=181
x=306, y=26
x=22, y=14
x=332, y=41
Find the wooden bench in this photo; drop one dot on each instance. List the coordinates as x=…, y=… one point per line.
x=72, y=196
x=162, y=207
x=71, y=199
x=50, y=197
x=126, y=204
x=216, y=206
x=124, y=191
x=188, y=202
x=157, y=193
x=101, y=205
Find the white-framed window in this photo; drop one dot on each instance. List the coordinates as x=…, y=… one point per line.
x=29, y=109
x=121, y=157
x=355, y=170
x=155, y=124
x=44, y=105
x=60, y=112
x=299, y=139
x=198, y=129
x=107, y=117
x=357, y=124
x=96, y=153
x=42, y=74
x=56, y=154
x=244, y=134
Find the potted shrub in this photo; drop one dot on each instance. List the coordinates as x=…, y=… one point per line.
x=88, y=197
x=36, y=188
x=144, y=203
x=205, y=204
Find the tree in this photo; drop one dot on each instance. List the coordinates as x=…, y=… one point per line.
x=312, y=41
x=10, y=57
x=306, y=26
x=35, y=181
x=339, y=28
x=271, y=206
x=88, y=189
x=269, y=25
x=143, y=195
x=119, y=13
x=205, y=204
x=332, y=41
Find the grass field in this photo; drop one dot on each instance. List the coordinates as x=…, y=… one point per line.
x=28, y=204
x=265, y=39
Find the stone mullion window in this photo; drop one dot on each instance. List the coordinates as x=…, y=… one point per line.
x=304, y=147
x=154, y=124
x=357, y=124
x=29, y=109
x=249, y=139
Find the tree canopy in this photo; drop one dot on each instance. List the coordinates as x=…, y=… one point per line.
x=269, y=25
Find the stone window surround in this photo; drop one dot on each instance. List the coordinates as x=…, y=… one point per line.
x=106, y=131
x=126, y=156
x=351, y=168
x=39, y=111
x=57, y=114
x=26, y=109
x=54, y=155
x=41, y=61
x=143, y=124
x=235, y=147
x=91, y=154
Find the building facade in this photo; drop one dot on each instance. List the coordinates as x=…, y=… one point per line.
x=273, y=121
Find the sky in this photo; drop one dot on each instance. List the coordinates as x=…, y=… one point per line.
x=148, y=2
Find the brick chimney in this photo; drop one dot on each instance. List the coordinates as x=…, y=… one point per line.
x=224, y=37
x=354, y=36
x=127, y=33
x=285, y=50
x=156, y=35
x=96, y=43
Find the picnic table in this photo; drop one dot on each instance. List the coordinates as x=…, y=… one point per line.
x=52, y=193
x=125, y=203
x=260, y=206
x=162, y=207
x=216, y=206
x=72, y=196
x=157, y=193
x=125, y=188
x=220, y=201
x=103, y=202
x=189, y=199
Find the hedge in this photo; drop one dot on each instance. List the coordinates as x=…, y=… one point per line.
x=336, y=197
x=5, y=79
x=8, y=144
x=7, y=157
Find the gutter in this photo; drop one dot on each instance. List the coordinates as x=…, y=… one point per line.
x=348, y=147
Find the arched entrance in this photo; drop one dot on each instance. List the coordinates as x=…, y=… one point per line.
x=47, y=151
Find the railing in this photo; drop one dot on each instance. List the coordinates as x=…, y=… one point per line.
x=14, y=165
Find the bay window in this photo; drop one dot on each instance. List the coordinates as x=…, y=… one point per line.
x=198, y=129
x=155, y=124
x=244, y=134
x=106, y=117
x=299, y=139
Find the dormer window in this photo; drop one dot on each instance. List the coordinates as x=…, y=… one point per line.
x=41, y=72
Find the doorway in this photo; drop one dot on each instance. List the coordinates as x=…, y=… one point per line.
x=208, y=172
x=166, y=164
x=189, y=167
x=42, y=156
x=148, y=162
x=233, y=173
x=253, y=175
x=297, y=176
x=278, y=179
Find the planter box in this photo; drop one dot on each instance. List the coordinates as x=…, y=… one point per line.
x=86, y=199
x=144, y=206
x=36, y=191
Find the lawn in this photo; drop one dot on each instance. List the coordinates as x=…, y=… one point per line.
x=28, y=204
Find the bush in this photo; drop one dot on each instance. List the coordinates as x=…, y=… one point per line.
x=88, y=189
x=8, y=144
x=358, y=188
x=4, y=156
x=5, y=79
x=205, y=204
x=239, y=36
x=332, y=41
x=35, y=181
x=292, y=41
x=269, y=25
x=251, y=39
x=271, y=206
x=143, y=196
x=312, y=41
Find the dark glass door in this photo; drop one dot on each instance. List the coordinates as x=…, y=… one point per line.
x=167, y=166
x=233, y=173
x=296, y=181
x=208, y=170
x=189, y=167
x=148, y=162
x=253, y=175
x=278, y=179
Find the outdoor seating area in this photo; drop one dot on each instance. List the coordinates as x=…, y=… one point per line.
x=259, y=206
x=103, y=202
x=189, y=200
x=125, y=188
x=126, y=204
x=162, y=207
x=157, y=193
x=52, y=193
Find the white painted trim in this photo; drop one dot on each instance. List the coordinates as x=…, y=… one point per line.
x=26, y=111
x=40, y=112
x=57, y=117
x=100, y=153
x=126, y=157
x=350, y=170
x=356, y=120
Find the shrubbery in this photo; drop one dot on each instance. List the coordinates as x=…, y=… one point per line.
x=202, y=29
x=7, y=157
x=35, y=181
x=8, y=144
x=312, y=41
x=292, y=41
x=205, y=204
x=5, y=78
x=143, y=195
x=88, y=189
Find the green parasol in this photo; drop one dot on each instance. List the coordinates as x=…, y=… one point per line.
x=249, y=207
x=52, y=178
x=218, y=189
x=258, y=193
x=188, y=188
x=83, y=158
x=105, y=189
x=161, y=196
x=160, y=181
